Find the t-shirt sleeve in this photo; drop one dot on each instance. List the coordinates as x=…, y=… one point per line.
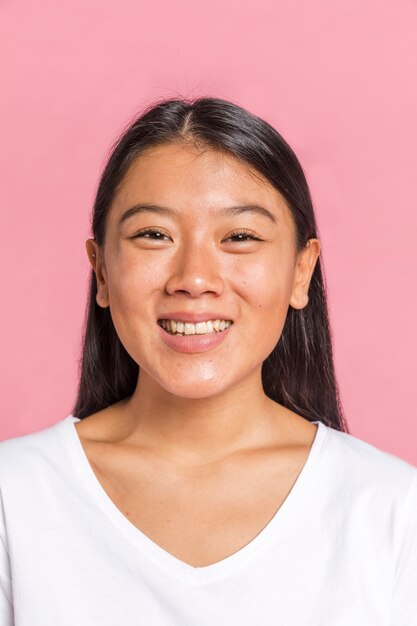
x=404, y=606
x=6, y=602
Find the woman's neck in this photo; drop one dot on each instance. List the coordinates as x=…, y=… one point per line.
x=199, y=428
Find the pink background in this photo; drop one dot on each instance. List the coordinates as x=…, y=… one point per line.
x=337, y=79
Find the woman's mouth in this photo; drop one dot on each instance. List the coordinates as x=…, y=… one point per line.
x=179, y=328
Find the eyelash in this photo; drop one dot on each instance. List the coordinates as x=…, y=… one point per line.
x=246, y=233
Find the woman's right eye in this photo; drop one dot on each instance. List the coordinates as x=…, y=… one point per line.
x=152, y=234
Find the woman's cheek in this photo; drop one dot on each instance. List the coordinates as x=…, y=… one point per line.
x=133, y=282
x=260, y=283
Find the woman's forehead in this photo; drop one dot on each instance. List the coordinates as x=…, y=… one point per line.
x=184, y=175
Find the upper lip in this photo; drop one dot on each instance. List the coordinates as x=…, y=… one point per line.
x=186, y=316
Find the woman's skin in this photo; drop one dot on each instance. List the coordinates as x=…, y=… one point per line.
x=199, y=458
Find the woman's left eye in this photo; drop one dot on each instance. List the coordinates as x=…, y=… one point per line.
x=243, y=236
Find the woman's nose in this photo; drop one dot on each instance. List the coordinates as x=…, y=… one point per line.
x=194, y=272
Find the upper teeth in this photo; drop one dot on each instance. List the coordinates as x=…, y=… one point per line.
x=201, y=328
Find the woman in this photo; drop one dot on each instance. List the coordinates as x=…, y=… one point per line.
x=206, y=475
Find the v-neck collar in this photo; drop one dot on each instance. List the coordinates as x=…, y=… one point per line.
x=158, y=554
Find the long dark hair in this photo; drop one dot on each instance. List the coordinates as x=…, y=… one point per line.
x=299, y=373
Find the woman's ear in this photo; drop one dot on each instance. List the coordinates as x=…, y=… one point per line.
x=306, y=262
x=95, y=256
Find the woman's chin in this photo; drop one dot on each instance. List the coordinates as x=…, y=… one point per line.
x=197, y=381
x=193, y=387
x=195, y=390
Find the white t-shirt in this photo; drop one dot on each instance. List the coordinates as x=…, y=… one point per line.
x=340, y=551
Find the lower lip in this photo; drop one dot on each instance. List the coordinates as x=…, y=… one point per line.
x=194, y=343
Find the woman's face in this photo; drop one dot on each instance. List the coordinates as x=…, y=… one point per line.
x=194, y=236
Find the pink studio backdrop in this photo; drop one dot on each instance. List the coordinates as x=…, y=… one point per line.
x=337, y=79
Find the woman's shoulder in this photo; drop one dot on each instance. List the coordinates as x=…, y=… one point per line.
x=32, y=450
x=365, y=465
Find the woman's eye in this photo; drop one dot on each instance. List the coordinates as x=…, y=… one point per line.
x=152, y=234
x=243, y=236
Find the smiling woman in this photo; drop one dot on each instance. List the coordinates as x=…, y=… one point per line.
x=206, y=474
x=211, y=167
x=174, y=249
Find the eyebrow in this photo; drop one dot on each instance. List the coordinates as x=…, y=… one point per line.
x=163, y=210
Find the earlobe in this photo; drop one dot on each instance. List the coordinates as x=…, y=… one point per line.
x=299, y=300
x=306, y=263
x=101, y=298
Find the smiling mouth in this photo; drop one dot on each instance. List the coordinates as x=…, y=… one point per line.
x=173, y=327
